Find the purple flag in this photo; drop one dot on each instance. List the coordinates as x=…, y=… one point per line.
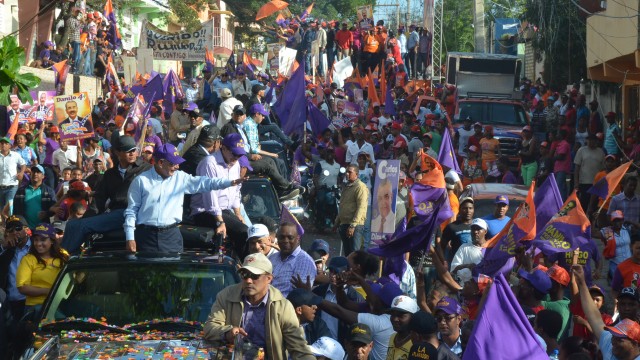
x=548, y=202
x=172, y=90
x=269, y=95
x=135, y=116
x=502, y=330
x=287, y=216
x=316, y=118
x=417, y=238
x=447, y=155
x=151, y=91
x=389, y=107
x=231, y=64
x=295, y=177
x=213, y=120
x=291, y=108
x=426, y=198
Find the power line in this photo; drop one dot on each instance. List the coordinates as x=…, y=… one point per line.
x=603, y=15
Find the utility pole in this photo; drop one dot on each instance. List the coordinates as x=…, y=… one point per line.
x=408, y=17
x=478, y=26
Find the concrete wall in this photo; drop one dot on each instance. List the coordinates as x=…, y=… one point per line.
x=609, y=38
x=74, y=83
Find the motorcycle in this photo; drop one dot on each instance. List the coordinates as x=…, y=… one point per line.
x=328, y=202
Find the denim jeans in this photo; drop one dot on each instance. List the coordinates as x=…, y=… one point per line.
x=76, y=231
x=367, y=228
x=6, y=197
x=353, y=243
x=77, y=55
x=89, y=61
x=561, y=179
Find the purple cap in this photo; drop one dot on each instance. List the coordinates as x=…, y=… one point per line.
x=502, y=199
x=191, y=107
x=387, y=293
x=449, y=305
x=235, y=143
x=45, y=230
x=48, y=43
x=538, y=279
x=258, y=109
x=244, y=162
x=168, y=152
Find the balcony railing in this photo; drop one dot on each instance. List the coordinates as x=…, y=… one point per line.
x=222, y=40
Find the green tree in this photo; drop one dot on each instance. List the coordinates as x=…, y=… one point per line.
x=457, y=32
x=11, y=81
x=561, y=37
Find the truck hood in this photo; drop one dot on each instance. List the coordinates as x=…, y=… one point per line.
x=507, y=131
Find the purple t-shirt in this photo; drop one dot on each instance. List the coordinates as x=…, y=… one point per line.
x=50, y=147
x=153, y=140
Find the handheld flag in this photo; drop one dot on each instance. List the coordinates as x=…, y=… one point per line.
x=287, y=216
x=447, y=155
x=605, y=186
x=61, y=70
x=389, y=107
x=134, y=116
x=295, y=177
x=249, y=66
x=292, y=105
x=548, y=202
x=371, y=90
x=151, y=91
x=317, y=119
x=383, y=82
x=13, y=128
x=172, y=90
x=502, y=318
x=567, y=230
x=209, y=60
x=433, y=177
x=502, y=247
x=113, y=36
x=231, y=64
x=306, y=12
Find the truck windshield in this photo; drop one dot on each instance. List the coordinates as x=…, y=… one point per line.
x=493, y=113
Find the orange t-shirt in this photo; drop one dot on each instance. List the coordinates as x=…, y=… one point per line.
x=371, y=44
x=489, y=149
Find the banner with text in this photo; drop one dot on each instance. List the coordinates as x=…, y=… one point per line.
x=383, y=203
x=181, y=45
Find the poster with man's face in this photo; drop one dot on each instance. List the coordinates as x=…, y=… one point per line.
x=273, y=56
x=383, y=204
x=42, y=108
x=365, y=17
x=73, y=115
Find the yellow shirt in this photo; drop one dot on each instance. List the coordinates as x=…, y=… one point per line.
x=489, y=149
x=398, y=353
x=353, y=204
x=32, y=273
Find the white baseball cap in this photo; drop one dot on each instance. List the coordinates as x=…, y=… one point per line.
x=327, y=347
x=479, y=222
x=405, y=304
x=257, y=231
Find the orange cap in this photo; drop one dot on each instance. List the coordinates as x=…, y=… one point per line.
x=559, y=275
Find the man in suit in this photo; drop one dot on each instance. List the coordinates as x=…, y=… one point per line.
x=14, y=108
x=72, y=120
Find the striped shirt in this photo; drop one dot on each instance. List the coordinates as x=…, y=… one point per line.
x=298, y=263
x=75, y=27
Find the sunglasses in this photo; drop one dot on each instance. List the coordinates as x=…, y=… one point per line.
x=15, y=228
x=445, y=318
x=244, y=275
x=59, y=231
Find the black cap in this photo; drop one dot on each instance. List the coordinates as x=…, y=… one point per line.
x=338, y=264
x=239, y=110
x=14, y=220
x=360, y=333
x=422, y=351
x=209, y=132
x=125, y=143
x=423, y=323
x=629, y=292
x=299, y=297
x=257, y=87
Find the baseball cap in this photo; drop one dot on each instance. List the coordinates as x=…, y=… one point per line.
x=617, y=214
x=626, y=328
x=299, y=297
x=44, y=229
x=170, y=153
x=396, y=126
x=610, y=114
x=257, y=88
x=449, y=306
x=258, y=109
x=502, y=199
x=209, y=132
x=488, y=129
x=14, y=220
x=320, y=245
x=360, y=333
x=596, y=288
x=423, y=322
x=544, y=144
x=191, y=107
x=428, y=134
x=422, y=351
x=559, y=274
x=629, y=292
x=479, y=223
x=387, y=293
x=338, y=264
x=244, y=162
x=404, y=304
x=257, y=264
x=477, y=124
x=465, y=199
x=148, y=148
x=53, y=129
x=239, y=110
x=77, y=185
x=327, y=347
x=125, y=143
x=6, y=139
x=611, y=156
x=235, y=143
x=37, y=168
x=257, y=231
x=225, y=93
x=538, y=279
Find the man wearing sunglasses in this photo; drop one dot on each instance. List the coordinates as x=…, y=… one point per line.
x=111, y=194
x=15, y=245
x=223, y=207
x=448, y=317
x=256, y=311
x=155, y=202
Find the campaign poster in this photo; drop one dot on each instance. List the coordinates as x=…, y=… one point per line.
x=346, y=114
x=365, y=17
x=73, y=115
x=383, y=204
x=273, y=56
x=286, y=58
x=42, y=108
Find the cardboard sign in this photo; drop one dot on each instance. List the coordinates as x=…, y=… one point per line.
x=181, y=45
x=73, y=114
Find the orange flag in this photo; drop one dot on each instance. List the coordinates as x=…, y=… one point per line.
x=605, y=186
x=371, y=90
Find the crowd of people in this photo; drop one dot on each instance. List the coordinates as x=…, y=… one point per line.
x=315, y=303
